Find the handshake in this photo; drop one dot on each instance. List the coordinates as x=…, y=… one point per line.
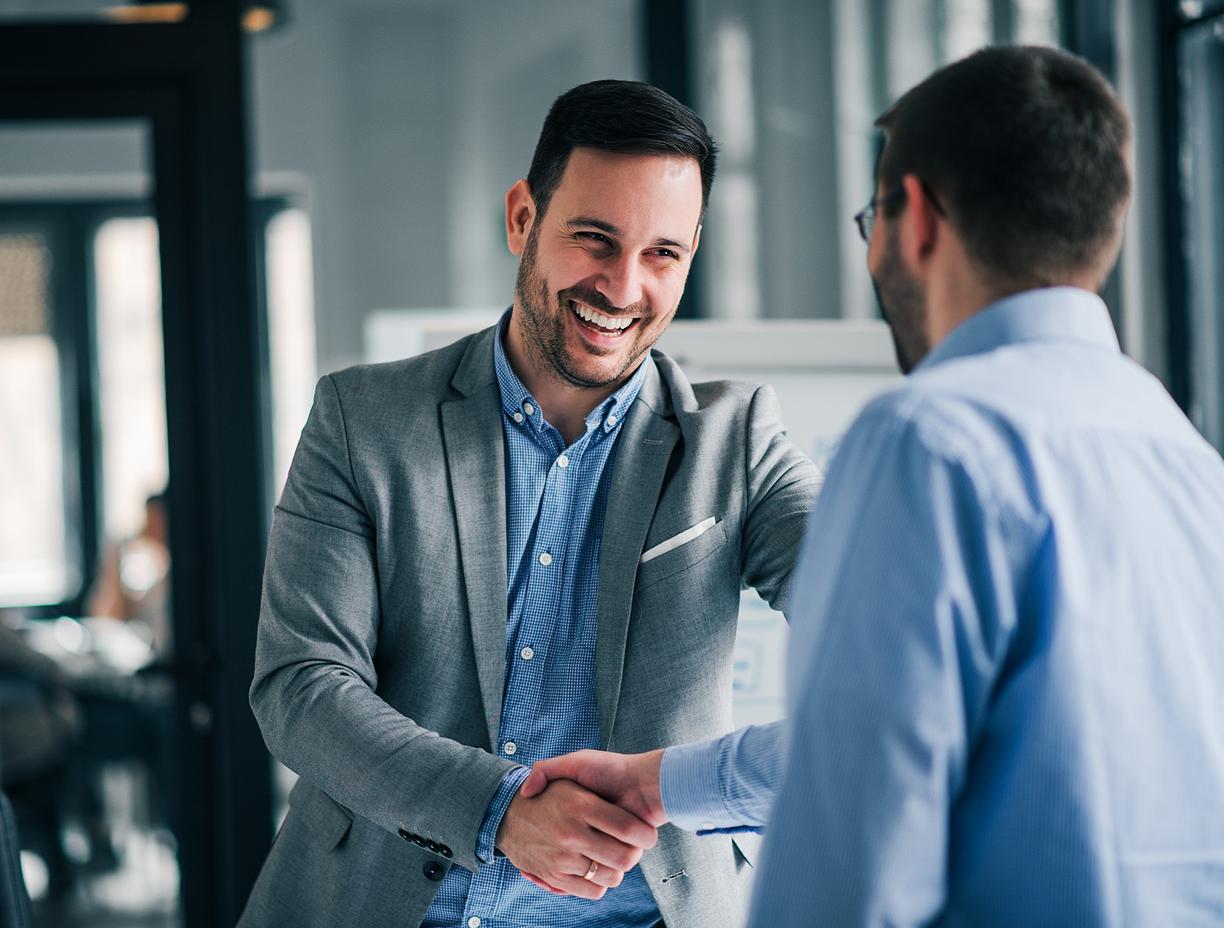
x=581, y=821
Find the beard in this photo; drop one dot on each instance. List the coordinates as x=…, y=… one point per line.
x=543, y=322
x=903, y=305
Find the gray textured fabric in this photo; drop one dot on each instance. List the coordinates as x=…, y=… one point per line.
x=382, y=637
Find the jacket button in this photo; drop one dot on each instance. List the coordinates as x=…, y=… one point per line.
x=418, y=840
x=434, y=871
x=432, y=845
x=446, y=852
x=407, y=836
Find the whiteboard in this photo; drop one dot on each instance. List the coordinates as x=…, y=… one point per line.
x=824, y=371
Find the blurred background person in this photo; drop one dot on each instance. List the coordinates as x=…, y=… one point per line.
x=134, y=578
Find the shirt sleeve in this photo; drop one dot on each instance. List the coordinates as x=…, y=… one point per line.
x=511, y=782
x=903, y=609
x=726, y=785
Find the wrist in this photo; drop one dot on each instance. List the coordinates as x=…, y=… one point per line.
x=492, y=830
x=651, y=787
x=689, y=787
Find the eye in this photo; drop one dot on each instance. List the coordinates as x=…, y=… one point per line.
x=667, y=253
x=595, y=238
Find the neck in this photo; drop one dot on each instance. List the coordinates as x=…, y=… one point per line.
x=564, y=405
x=955, y=291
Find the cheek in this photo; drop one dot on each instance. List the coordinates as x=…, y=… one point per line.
x=665, y=290
x=564, y=266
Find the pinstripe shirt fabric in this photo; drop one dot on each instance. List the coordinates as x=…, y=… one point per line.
x=556, y=498
x=726, y=786
x=1008, y=629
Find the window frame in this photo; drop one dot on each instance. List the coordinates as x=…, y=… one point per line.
x=70, y=227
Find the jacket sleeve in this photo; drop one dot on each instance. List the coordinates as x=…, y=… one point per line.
x=782, y=485
x=315, y=687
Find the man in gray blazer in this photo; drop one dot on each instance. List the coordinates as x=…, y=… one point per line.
x=529, y=542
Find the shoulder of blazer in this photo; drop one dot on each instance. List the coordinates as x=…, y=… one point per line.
x=682, y=398
x=455, y=370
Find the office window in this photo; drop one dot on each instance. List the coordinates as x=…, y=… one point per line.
x=291, y=332
x=131, y=376
x=35, y=562
x=1201, y=52
x=791, y=89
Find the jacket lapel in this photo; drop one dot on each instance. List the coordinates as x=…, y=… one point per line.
x=644, y=447
x=475, y=460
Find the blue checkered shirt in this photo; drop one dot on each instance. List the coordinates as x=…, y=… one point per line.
x=556, y=498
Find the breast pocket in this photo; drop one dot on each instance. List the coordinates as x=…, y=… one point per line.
x=681, y=557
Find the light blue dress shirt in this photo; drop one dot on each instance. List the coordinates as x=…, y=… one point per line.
x=556, y=498
x=1006, y=672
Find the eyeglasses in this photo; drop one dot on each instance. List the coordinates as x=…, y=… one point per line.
x=866, y=217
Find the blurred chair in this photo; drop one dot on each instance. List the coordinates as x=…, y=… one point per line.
x=14, y=903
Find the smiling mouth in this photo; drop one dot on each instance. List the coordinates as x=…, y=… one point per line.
x=608, y=326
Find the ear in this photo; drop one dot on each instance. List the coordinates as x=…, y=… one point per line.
x=920, y=222
x=520, y=216
x=696, y=242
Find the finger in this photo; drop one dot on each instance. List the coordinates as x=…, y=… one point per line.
x=606, y=876
x=565, y=767
x=577, y=886
x=536, y=783
x=532, y=878
x=608, y=852
x=626, y=827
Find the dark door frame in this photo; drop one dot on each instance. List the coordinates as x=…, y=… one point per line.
x=187, y=81
x=666, y=28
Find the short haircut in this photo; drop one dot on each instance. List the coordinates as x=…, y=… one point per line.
x=1027, y=149
x=627, y=117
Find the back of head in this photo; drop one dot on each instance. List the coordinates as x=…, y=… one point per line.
x=626, y=117
x=1027, y=149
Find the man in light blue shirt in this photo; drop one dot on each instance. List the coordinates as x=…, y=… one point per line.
x=1006, y=698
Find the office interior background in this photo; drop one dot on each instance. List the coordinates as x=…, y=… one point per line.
x=205, y=207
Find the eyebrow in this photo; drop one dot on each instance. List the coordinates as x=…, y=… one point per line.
x=603, y=226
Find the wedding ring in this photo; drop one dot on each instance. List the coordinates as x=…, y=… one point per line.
x=590, y=874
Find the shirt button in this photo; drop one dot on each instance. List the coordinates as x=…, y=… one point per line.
x=518, y=417
x=612, y=420
x=529, y=409
x=545, y=558
x=527, y=654
x=510, y=748
x=563, y=461
x=473, y=922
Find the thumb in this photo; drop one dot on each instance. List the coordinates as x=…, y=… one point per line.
x=536, y=783
x=565, y=767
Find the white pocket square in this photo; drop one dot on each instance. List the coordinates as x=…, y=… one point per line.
x=677, y=540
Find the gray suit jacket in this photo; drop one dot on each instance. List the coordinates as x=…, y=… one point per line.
x=382, y=637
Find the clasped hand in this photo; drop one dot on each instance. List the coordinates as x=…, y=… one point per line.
x=581, y=821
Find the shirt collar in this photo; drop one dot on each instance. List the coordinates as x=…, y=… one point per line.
x=520, y=405
x=1048, y=314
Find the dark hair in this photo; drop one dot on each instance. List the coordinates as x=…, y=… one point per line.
x=1026, y=148
x=628, y=117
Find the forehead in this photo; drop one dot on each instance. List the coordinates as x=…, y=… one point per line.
x=647, y=195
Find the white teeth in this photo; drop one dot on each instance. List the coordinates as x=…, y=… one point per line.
x=604, y=322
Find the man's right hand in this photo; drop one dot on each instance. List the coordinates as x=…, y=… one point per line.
x=632, y=781
x=556, y=836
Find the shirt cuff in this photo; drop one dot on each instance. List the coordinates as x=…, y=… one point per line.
x=689, y=787
x=511, y=782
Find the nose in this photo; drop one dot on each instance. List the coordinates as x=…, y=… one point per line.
x=621, y=281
